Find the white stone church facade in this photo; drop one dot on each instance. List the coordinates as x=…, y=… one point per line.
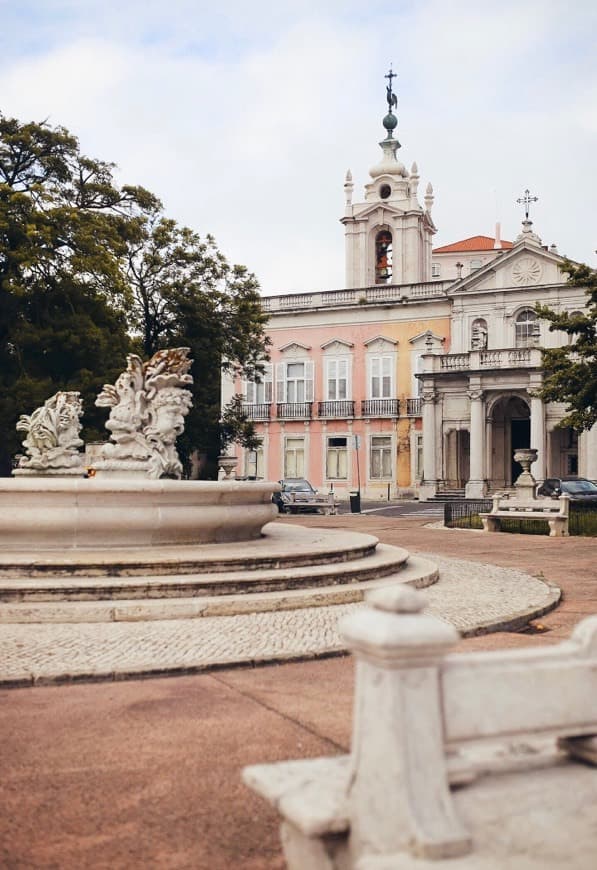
x=429, y=360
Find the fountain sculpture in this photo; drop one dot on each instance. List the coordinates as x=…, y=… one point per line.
x=136, y=542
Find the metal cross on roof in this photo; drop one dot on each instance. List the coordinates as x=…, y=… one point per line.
x=526, y=200
x=391, y=98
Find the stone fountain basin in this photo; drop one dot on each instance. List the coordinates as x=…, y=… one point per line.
x=43, y=513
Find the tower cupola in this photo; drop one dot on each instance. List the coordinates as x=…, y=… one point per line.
x=388, y=236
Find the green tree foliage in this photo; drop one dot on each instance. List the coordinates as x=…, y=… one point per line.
x=570, y=372
x=64, y=229
x=187, y=294
x=90, y=270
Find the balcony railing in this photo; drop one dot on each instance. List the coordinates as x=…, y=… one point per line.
x=340, y=410
x=294, y=410
x=380, y=407
x=413, y=408
x=260, y=411
x=358, y=296
x=506, y=358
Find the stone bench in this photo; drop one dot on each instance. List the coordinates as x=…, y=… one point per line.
x=555, y=513
x=420, y=789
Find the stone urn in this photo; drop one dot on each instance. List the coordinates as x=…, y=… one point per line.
x=525, y=484
x=227, y=464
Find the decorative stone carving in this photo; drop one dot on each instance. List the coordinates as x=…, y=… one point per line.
x=53, y=440
x=149, y=402
x=526, y=270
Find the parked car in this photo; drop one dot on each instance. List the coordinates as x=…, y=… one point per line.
x=578, y=488
x=297, y=495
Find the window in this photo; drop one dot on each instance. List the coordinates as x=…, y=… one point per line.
x=336, y=380
x=476, y=264
x=260, y=393
x=336, y=466
x=254, y=463
x=526, y=328
x=435, y=270
x=380, y=377
x=294, y=381
x=294, y=457
x=380, y=457
x=383, y=257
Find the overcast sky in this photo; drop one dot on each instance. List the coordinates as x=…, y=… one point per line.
x=243, y=117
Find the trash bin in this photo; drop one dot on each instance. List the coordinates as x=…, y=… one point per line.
x=355, y=502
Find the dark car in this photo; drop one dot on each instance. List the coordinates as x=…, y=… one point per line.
x=297, y=495
x=578, y=488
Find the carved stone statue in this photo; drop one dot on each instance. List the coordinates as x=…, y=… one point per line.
x=53, y=440
x=149, y=402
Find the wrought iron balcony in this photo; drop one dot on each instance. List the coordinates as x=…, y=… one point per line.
x=339, y=410
x=413, y=408
x=294, y=410
x=259, y=411
x=380, y=407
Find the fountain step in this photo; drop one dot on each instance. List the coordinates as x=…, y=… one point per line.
x=417, y=572
x=281, y=546
x=381, y=562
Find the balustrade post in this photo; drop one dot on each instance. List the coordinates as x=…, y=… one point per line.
x=398, y=798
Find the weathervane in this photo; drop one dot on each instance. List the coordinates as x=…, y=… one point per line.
x=526, y=200
x=391, y=97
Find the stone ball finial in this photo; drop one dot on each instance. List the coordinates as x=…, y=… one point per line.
x=390, y=122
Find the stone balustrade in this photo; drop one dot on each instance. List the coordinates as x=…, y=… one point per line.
x=421, y=714
x=361, y=295
x=503, y=358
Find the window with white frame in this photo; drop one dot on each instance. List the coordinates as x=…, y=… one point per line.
x=260, y=393
x=380, y=457
x=336, y=463
x=294, y=381
x=475, y=264
x=254, y=464
x=526, y=328
x=381, y=377
x=336, y=377
x=435, y=270
x=294, y=457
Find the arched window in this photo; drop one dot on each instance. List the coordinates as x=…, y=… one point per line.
x=527, y=328
x=383, y=257
x=479, y=334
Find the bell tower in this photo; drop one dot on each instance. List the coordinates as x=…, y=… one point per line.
x=388, y=237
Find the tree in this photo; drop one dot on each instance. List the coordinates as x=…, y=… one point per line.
x=570, y=372
x=186, y=293
x=64, y=230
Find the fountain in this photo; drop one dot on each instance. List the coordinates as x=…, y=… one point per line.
x=135, y=541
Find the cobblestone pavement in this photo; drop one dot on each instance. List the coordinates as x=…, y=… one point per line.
x=473, y=597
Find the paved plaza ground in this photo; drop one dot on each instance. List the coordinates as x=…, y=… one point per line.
x=146, y=772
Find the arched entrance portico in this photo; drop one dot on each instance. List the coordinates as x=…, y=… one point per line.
x=509, y=424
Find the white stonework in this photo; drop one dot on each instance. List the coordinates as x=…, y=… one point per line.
x=149, y=402
x=454, y=761
x=53, y=441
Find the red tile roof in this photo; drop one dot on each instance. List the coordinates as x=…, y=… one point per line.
x=475, y=243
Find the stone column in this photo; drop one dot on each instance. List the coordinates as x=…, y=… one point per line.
x=475, y=488
x=488, y=450
x=399, y=800
x=428, y=486
x=538, y=437
x=590, y=463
